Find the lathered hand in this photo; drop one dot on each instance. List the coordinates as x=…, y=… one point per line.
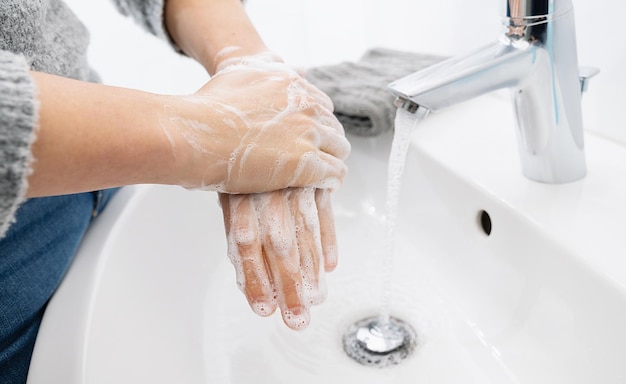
x=256, y=126
x=281, y=244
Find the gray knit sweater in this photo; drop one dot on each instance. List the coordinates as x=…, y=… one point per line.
x=42, y=35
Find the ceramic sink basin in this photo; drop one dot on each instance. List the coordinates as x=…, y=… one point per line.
x=504, y=280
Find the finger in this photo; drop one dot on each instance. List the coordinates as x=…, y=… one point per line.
x=281, y=255
x=327, y=228
x=322, y=112
x=329, y=133
x=331, y=121
x=303, y=95
x=304, y=211
x=245, y=252
x=326, y=134
x=321, y=97
x=334, y=142
x=318, y=169
x=225, y=205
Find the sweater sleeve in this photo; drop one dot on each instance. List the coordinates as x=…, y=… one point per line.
x=18, y=120
x=149, y=14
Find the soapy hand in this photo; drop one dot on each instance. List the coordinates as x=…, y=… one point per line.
x=256, y=126
x=281, y=244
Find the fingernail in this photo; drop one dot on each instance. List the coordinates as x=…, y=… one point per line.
x=331, y=256
x=263, y=309
x=319, y=295
x=297, y=318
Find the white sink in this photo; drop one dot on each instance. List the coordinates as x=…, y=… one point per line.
x=151, y=297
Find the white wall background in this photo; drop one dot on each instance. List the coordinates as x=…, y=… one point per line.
x=314, y=32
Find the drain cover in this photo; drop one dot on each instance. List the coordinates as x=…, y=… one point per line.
x=375, y=343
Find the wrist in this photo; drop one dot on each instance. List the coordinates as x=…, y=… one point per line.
x=202, y=29
x=240, y=56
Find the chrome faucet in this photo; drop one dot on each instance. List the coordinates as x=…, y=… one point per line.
x=536, y=59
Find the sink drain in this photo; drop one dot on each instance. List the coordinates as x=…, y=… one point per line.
x=374, y=343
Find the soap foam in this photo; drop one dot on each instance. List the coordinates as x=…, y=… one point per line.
x=169, y=138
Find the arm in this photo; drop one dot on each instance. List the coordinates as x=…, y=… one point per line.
x=201, y=29
x=93, y=136
x=206, y=30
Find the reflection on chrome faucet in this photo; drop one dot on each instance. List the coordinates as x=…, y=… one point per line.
x=536, y=59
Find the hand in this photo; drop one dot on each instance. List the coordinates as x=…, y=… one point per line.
x=281, y=244
x=256, y=126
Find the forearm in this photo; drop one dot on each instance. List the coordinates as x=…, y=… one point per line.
x=92, y=136
x=203, y=28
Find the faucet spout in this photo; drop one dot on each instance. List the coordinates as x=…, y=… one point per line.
x=536, y=59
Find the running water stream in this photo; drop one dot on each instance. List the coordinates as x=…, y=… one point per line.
x=385, y=340
x=405, y=124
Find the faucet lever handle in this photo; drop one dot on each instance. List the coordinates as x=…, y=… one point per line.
x=584, y=75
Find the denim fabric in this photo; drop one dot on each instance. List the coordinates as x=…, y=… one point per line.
x=34, y=256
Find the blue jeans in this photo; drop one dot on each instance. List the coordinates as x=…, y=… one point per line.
x=34, y=256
